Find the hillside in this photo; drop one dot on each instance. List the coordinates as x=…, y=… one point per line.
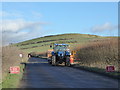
x=42, y=44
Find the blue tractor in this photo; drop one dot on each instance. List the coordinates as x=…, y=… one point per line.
x=60, y=54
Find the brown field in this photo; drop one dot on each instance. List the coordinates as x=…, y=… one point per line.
x=99, y=53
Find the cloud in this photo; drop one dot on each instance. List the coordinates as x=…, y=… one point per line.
x=20, y=29
x=3, y=13
x=14, y=14
x=105, y=27
x=18, y=25
x=18, y=14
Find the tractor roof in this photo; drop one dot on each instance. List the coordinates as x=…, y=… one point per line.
x=61, y=44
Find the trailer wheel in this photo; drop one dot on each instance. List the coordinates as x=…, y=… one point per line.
x=53, y=60
x=67, y=62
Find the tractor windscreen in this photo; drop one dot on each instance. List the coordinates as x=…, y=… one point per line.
x=60, y=47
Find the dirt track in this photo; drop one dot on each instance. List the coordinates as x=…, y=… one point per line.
x=39, y=74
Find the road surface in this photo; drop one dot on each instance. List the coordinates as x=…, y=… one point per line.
x=39, y=74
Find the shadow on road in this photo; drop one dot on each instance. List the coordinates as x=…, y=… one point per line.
x=37, y=60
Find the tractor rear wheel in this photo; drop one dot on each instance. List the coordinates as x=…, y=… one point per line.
x=53, y=60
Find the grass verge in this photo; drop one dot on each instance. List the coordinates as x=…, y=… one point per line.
x=12, y=80
x=97, y=70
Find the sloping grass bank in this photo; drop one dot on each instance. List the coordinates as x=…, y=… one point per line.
x=42, y=44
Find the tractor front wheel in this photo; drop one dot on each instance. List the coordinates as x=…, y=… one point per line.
x=67, y=62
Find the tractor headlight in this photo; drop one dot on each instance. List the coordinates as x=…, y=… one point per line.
x=68, y=53
x=60, y=53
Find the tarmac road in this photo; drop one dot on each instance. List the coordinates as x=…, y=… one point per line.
x=39, y=74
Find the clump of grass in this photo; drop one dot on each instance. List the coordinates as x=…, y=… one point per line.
x=100, y=53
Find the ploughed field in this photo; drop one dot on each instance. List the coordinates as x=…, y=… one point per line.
x=40, y=74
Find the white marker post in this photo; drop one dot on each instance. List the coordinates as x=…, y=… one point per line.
x=21, y=55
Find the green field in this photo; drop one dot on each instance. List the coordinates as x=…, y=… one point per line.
x=42, y=44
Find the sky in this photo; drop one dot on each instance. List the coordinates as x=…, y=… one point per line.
x=27, y=20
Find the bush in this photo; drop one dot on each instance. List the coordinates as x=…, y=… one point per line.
x=99, y=53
